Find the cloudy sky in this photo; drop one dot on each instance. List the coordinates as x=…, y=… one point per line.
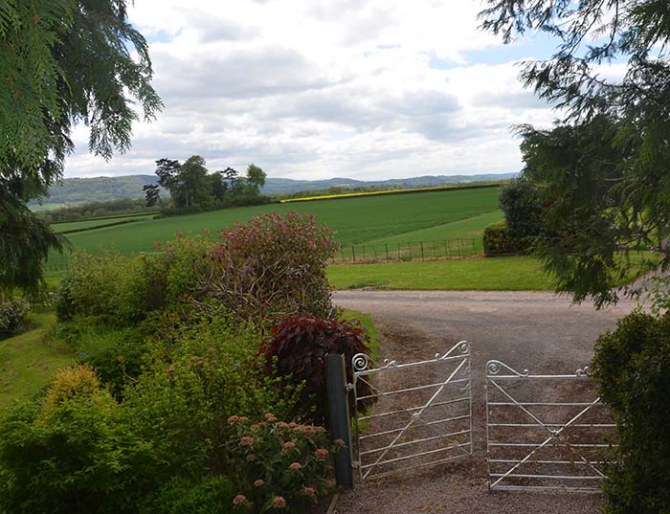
x=315, y=89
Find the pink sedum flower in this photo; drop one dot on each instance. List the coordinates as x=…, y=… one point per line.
x=321, y=453
x=278, y=502
x=240, y=499
x=259, y=483
x=295, y=466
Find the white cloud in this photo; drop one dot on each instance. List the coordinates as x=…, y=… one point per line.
x=357, y=88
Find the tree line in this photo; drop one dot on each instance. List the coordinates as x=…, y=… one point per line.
x=193, y=188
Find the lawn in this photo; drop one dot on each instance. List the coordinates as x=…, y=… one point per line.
x=481, y=274
x=29, y=360
x=355, y=220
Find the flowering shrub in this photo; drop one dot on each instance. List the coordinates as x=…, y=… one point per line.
x=280, y=466
x=273, y=267
x=296, y=351
x=12, y=314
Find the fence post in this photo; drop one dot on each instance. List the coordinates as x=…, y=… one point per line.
x=338, y=414
x=353, y=254
x=422, y=251
x=387, y=251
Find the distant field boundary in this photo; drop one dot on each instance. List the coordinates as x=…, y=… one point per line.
x=407, y=252
x=105, y=225
x=109, y=217
x=454, y=187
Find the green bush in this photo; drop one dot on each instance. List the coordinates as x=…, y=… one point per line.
x=12, y=314
x=72, y=451
x=102, y=285
x=126, y=289
x=296, y=352
x=498, y=240
x=212, y=495
x=632, y=367
x=196, y=378
x=280, y=466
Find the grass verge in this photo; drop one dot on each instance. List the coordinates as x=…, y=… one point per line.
x=29, y=360
x=481, y=274
x=369, y=327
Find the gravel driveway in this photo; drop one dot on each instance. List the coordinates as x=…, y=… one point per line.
x=540, y=332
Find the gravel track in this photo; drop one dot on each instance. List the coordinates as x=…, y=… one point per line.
x=540, y=332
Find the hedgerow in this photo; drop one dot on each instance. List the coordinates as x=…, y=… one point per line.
x=497, y=240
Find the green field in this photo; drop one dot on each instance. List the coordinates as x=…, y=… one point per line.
x=355, y=220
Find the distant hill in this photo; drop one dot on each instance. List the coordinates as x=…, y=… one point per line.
x=101, y=189
x=73, y=191
x=275, y=186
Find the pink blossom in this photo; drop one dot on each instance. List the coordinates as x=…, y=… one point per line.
x=321, y=453
x=278, y=502
x=295, y=466
x=239, y=500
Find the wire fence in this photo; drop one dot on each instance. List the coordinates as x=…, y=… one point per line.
x=409, y=251
x=358, y=254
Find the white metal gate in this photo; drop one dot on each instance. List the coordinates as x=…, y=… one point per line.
x=422, y=415
x=545, y=432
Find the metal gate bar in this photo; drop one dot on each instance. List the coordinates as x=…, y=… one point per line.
x=585, y=430
x=396, y=432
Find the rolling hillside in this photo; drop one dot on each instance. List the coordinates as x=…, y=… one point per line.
x=101, y=189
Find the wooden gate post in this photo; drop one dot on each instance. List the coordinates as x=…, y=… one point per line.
x=338, y=414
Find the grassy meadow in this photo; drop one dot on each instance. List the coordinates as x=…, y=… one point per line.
x=442, y=214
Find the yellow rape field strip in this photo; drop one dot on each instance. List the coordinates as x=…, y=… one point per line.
x=478, y=185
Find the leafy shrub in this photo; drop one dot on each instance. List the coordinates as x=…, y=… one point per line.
x=273, y=267
x=72, y=451
x=126, y=289
x=65, y=309
x=632, y=367
x=280, y=466
x=102, y=285
x=12, y=314
x=213, y=495
x=194, y=380
x=498, y=240
x=296, y=352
